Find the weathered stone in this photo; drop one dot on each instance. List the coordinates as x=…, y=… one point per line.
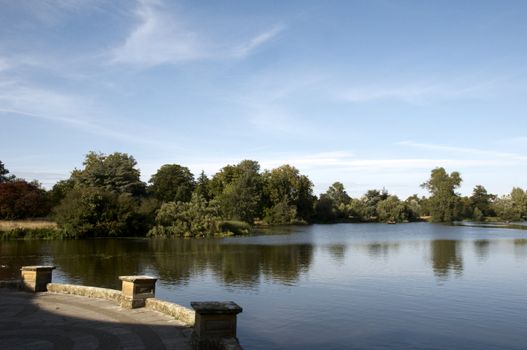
x=90, y=292
x=179, y=312
x=215, y=321
x=136, y=289
x=36, y=278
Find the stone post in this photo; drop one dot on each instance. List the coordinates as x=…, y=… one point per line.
x=36, y=278
x=215, y=323
x=136, y=289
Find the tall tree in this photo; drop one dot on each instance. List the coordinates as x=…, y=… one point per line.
x=203, y=186
x=4, y=177
x=172, y=183
x=285, y=184
x=238, y=190
x=115, y=173
x=391, y=209
x=519, y=200
x=333, y=204
x=444, y=201
x=370, y=201
x=20, y=199
x=506, y=209
x=482, y=201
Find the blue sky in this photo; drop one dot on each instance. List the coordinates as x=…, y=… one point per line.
x=370, y=93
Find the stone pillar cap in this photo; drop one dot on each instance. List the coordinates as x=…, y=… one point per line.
x=137, y=278
x=37, y=268
x=216, y=307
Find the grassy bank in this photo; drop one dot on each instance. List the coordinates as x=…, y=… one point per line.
x=29, y=229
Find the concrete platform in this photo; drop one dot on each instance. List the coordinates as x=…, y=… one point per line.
x=57, y=321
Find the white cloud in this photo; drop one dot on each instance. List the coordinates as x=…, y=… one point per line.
x=165, y=37
x=4, y=64
x=257, y=41
x=467, y=151
x=22, y=100
x=417, y=91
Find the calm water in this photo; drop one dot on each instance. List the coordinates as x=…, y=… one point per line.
x=407, y=286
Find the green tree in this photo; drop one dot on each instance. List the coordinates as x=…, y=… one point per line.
x=4, y=177
x=481, y=200
x=519, y=200
x=414, y=208
x=285, y=184
x=333, y=204
x=60, y=190
x=506, y=209
x=444, y=201
x=281, y=213
x=391, y=209
x=114, y=173
x=370, y=201
x=203, y=186
x=196, y=218
x=325, y=208
x=95, y=212
x=172, y=183
x=238, y=190
x=338, y=194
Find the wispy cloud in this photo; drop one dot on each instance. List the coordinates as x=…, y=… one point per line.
x=166, y=37
x=4, y=64
x=491, y=154
x=257, y=41
x=27, y=101
x=415, y=91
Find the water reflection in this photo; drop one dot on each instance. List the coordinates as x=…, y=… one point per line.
x=98, y=262
x=446, y=257
x=482, y=249
x=337, y=252
x=382, y=249
x=520, y=248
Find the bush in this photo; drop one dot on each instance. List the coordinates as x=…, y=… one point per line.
x=94, y=212
x=33, y=233
x=196, y=218
x=281, y=213
x=235, y=227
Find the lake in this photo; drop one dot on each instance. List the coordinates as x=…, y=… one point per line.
x=343, y=286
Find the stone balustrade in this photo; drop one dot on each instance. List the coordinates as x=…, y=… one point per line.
x=36, y=278
x=214, y=322
x=136, y=289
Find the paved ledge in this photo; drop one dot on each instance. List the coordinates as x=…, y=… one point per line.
x=62, y=321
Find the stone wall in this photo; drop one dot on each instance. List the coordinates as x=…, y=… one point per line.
x=179, y=312
x=90, y=292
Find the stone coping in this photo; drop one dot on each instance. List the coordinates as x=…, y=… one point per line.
x=37, y=268
x=176, y=311
x=137, y=278
x=216, y=307
x=179, y=312
x=85, y=291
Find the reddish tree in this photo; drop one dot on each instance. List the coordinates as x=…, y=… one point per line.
x=20, y=199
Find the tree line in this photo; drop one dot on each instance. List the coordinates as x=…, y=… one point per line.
x=106, y=197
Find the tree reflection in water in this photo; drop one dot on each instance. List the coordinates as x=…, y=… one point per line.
x=382, y=249
x=482, y=249
x=175, y=261
x=446, y=257
x=520, y=248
